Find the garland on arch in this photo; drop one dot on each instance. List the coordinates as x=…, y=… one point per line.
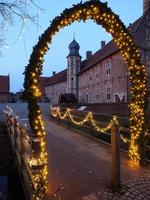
x=102, y=15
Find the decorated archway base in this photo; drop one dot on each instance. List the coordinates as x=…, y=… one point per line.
x=101, y=15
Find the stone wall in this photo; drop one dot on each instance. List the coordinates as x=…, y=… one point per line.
x=53, y=91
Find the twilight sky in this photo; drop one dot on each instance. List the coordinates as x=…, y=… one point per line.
x=15, y=57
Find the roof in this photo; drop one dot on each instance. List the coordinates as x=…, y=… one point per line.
x=106, y=51
x=74, y=44
x=133, y=26
x=4, y=84
x=111, y=48
x=43, y=81
x=74, y=49
x=59, y=77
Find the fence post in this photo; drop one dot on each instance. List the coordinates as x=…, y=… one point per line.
x=15, y=133
x=22, y=147
x=115, y=156
x=11, y=120
x=36, y=147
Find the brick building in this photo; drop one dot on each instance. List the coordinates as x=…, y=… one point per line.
x=43, y=83
x=4, y=89
x=103, y=76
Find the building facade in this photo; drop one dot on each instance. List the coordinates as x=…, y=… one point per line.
x=103, y=76
x=4, y=89
x=56, y=85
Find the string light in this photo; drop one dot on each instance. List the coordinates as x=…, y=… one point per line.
x=102, y=15
x=88, y=118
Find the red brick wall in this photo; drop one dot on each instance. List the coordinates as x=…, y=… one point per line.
x=95, y=81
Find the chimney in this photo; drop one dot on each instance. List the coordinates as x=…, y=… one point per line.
x=146, y=5
x=102, y=44
x=54, y=73
x=88, y=54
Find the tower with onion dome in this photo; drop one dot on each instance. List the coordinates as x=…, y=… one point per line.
x=74, y=61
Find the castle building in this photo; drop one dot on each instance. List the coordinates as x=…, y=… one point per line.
x=103, y=76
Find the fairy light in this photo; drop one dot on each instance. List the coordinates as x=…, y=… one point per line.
x=102, y=15
x=88, y=118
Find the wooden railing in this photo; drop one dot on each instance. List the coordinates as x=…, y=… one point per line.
x=21, y=142
x=88, y=129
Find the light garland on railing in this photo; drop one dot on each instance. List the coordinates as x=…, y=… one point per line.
x=88, y=118
x=125, y=140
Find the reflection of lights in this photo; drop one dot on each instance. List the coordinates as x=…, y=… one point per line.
x=133, y=165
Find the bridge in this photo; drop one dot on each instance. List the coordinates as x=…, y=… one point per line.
x=78, y=167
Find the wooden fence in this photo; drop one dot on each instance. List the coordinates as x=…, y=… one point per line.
x=102, y=120
x=21, y=142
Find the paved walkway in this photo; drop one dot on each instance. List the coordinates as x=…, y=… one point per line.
x=79, y=168
x=135, y=189
x=138, y=189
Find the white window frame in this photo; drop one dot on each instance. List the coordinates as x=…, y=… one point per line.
x=108, y=93
x=108, y=67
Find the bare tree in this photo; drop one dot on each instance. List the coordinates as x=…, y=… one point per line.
x=14, y=10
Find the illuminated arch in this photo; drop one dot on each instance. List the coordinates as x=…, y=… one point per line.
x=101, y=15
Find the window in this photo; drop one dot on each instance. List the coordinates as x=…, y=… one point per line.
x=148, y=35
x=78, y=67
x=148, y=38
x=97, y=96
x=108, y=67
x=90, y=76
x=108, y=93
x=97, y=73
x=97, y=93
x=87, y=98
x=69, y=61
x=148, y=43
x=148, y=64
x=148, y=20
x=72, y=83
